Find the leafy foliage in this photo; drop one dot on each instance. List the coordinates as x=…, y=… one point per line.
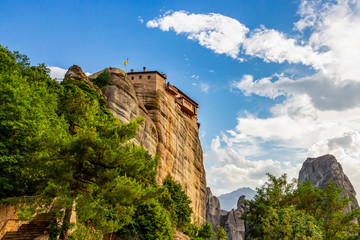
x=85, y=231
x=283, y=210
x=220, y=234
x=199, y=233
x=177, y=202
x=58, y=141
x=102, y=80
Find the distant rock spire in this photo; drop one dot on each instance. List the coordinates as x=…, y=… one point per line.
x=322, y=170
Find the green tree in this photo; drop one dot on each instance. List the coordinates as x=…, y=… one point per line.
x=29, y=123
x=205, y=232
x=153, y=222
x=289, y=223
x=220, y=234
x=58, y=141
x=177, y=202
x=283, y=210
x=102, y=80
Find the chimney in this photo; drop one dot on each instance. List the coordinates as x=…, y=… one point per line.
x=132, y=70
x=144, y=68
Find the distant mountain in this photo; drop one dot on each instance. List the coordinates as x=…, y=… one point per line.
x=228, y=201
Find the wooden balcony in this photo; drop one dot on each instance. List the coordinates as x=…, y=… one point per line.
x=171, y=89
x=186, y=106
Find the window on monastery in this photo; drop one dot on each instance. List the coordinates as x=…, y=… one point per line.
x=132, y=78
x=140, y=77
x=149, y=77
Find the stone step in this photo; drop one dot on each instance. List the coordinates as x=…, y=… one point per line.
x=20, y=235
x=37, y=227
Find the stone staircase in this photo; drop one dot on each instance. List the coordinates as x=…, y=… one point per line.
x=34, y=229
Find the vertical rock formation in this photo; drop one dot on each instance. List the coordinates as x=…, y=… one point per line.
x=170, y=127
x=213, y=209
x=233, y=224
x=231, y=221
x=322, y=170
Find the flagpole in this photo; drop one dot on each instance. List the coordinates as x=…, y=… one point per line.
x=125, y=63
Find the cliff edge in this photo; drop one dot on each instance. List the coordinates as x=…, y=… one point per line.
x=170, y=127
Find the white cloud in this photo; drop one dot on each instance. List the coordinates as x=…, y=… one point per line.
x=346, y=149
x=320, y=112
x=332, y=47
x=140, y=19
x=225, y=35
x=325, y=93
x=309, y=12
x=195, y=76
x=204, y=87
x=56, y=72
x=59, y=73
x=217, y=32
x=228, y=168
x=274, y=46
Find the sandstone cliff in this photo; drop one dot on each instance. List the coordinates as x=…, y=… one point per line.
x=167, y=131
x=322, y=170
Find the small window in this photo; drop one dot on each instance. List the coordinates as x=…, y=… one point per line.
x=132, y=78
x=149, y=77
x=140, y=77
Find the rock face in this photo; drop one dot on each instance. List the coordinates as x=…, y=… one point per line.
x=75, y=73
x=233, y=224
x=167, y=130
x=213, y=209
x=322, y=170
x=231, y=221
x=228, y=200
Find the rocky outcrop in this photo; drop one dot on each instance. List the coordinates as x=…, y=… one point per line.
x=324, y=169
x=213, y=209
x=231, y=221
x=180, y=236
x=179, y=146
x=166, y=131
x=75, y=73
x=233, y=224
x=123, y=103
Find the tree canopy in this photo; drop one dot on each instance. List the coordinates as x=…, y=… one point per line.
x=58, y=142
x=283, y=210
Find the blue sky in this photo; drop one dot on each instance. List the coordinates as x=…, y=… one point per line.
x=276, y=81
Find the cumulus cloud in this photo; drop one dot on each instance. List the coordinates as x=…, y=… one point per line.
x=326, y=93
x=225, y=35
x=320, y=111
x=332, y=47
x=229, y=168
x=274, y=46
x=59, y=73
x=56, y=72
x=217, y=32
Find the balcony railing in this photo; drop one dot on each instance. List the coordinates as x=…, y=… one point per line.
x=170, y=88
x=186, y=106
